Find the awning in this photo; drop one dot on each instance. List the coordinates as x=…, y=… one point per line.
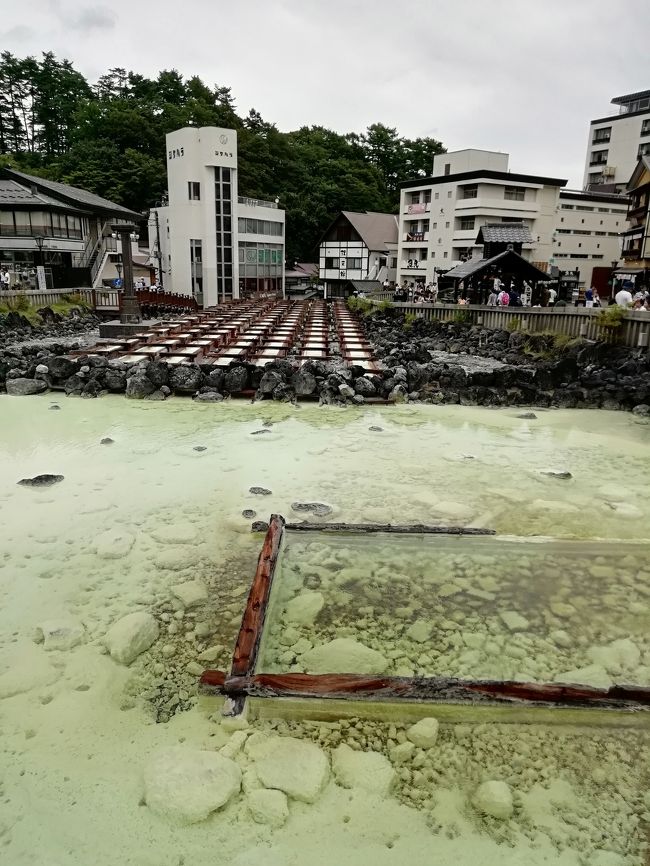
x=365, y=285
x=508, y=261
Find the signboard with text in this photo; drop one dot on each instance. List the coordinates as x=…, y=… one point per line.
x=40, y=278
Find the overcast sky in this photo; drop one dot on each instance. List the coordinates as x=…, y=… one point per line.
x=523, y=77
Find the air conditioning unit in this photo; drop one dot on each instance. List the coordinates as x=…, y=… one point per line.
x=609, y=171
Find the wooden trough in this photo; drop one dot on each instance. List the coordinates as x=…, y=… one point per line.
x=349, y=694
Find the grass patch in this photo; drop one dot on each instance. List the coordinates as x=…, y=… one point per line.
x=20, y=304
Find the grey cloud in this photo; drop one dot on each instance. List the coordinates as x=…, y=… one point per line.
x=19, y=33
x=93, y=18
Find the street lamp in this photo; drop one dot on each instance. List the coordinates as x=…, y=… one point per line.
x=40, y=240
x=613, y=279
x=130, y=312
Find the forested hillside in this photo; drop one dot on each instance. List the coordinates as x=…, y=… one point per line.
x=109, y=137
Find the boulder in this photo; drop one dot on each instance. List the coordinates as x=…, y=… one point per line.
x=41, y=480
x=130, y=636
x=303, y=383
x=209, y=397
x=139, y=386
x=493, y=798
x=643, y=409
x=156, y=396
x=364, y=386
x=270, y=381
x=186, y=785
x=185, y=379
x=343, y=656
x=61, y=634
x=61, y=367
x=215, y=379
x=304, y=608
x=346, y=391
x=297, y=767
x=158, y=373
x=424, y=733
x=268, y=806
x=191, y=594
x=113, y=544
x=370, y=771
x=115, y=380
x=236, y=379
x=25, y=387
x=260, y=491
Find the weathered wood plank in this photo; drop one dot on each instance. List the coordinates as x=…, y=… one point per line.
x=250, y=632
x=406, y=529
x=429, y=689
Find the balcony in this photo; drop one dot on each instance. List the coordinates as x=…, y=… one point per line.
x=256, y=202
x=415, y=237
x=422, y=207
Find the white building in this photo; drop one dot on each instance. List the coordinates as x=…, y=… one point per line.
x=616, y=143
x=587, y=235
x=208, y=241
x=358, y=251
x=440, y=216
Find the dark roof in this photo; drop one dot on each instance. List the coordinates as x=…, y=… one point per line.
x=504, y=233
x=613, y=117
x=365, y=285
x=490, y=174
x=73, y=195
x=17, y=195
x=519, y=263
x=594, y=195
x=376, y=230
x=630, y=97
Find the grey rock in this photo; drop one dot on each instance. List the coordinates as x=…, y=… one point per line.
x=318, y=509
x=200, y=448
x=62, y=367
x=185, y=379
x=527, y=416
x=376, y=429
x=260, y=491
x=346, y=391
x=248, y=513
x=359, y=399
x=364, y=386
x=115, y=380
x=552, y=473
x=157, y=395
x=643, y=409
x=106, y=441
x=270, y=381
x=42, y=369
x=209, y=397
x=259, y=526
x=25, y=387
x=158, y=373
x=236, y=379
x=41, y=480
x=54, y=406
x=303, y=383
x=259, y=432
x=139, y=386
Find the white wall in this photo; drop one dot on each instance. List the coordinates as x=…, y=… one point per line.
x=344, y=251
x=469, y=159
x=622, y=148
x=257, y=210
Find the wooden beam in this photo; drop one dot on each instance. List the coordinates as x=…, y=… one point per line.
x=250, y=632
x=406, y=529
x=423, y=689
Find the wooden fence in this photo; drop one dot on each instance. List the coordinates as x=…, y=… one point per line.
x=572, y=321
x=104, y=300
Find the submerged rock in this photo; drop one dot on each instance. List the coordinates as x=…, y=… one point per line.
x=130, y=636
x=318, y=509
x=424, y=733
x=186, y=785
x=370, y=771
x=259, y=432
x=41, y=480
x=527, y=416
x=191, y=594
x=200, y=448
x=106, y=441
x=375, y=429
x=514, y=621
x=343, y=656
x=182, y=532
x=268, y=806
x=259, y=526
x=60, y=634
x=25, y=387
x=297, y=767
x=557, y=473
x=113, y=544
x=494, y=798
x=260, y=491
x=304, y=608
x=248, y=513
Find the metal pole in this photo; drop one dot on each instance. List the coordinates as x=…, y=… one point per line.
x=160, y=270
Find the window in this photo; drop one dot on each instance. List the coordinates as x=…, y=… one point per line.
x=602, y=136
x=446, y=225
x=447, y=168
x=581, y=232
x=435, y=225
x=599, y=157
x=444, y=255
x=601, y=234
x=644, y=150
x=470, y=191
x=437, y=195
x=583, y=207
x=414, y=198
x=467, y=224
x=603, y=210
x=449, y=194
x=193, y=190
x=645, y=127
x=595, y=177
x=514, y=193
x=427, y=196
x=354, y=264
x=331, y=263
x=567, y=207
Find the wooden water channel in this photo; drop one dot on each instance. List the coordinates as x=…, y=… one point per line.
x=347, y=694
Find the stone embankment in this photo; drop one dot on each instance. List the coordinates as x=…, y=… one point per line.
x=426, y=362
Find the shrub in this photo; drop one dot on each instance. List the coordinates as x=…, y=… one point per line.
x=409, y=320
x=514, y=324
x=76, y=300
x=609, y=322
x=19, y=304
x=462, y=317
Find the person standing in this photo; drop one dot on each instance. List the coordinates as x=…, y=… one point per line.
x=552, y=295
x=5, y=279
x=623, y=298
x=492, y=299
x=503, y=298
x=589, y=297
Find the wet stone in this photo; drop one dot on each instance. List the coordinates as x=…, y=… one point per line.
x=375, y=429
x=200, y=448
x=260, y=491
x=318, y=509
x=106, y=441
x=41, y=480
x=248, y=513
x=259, y=432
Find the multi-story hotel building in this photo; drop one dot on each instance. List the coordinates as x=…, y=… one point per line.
x=616, y=143
x=208, y=241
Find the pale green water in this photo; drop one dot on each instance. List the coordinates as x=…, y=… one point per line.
x=76, y=728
